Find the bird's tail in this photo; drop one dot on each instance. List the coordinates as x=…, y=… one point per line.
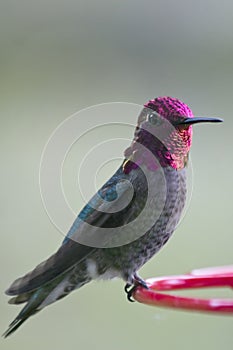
x=14, y=325
x=36, y=301
x=30, y=309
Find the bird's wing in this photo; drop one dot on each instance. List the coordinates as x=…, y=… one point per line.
x=66, y=256
x=97, y=213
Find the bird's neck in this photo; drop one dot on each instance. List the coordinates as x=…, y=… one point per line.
x=153, y=154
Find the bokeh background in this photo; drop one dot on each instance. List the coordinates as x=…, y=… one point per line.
x=58, y=57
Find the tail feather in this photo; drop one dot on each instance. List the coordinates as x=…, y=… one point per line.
x=14, y=325
x=29, y=309
x=37, y=300
x=19, y=299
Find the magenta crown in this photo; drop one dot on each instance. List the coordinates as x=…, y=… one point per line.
x=169, y=107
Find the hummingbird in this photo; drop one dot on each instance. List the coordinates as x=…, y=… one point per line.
x=127, y=221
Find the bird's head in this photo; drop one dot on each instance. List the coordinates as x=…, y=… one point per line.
x=163, y=134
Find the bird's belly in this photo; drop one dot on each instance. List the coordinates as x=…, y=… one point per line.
x=95, y=272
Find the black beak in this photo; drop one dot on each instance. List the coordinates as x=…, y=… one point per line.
x=196, y=120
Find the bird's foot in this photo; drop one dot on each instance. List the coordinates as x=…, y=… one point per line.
x=131, y=287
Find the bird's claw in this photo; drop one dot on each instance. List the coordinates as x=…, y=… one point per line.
x=130, y=288
x=127, y=286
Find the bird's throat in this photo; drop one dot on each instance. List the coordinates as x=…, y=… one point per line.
x=154, y=155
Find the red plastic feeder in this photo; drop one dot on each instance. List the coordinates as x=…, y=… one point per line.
x=202, y=278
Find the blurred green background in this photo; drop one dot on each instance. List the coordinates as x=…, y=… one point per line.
x=58, y=57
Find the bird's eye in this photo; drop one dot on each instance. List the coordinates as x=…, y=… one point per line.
x=154, y=119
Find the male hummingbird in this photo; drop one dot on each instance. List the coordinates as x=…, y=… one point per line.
x=128, y=220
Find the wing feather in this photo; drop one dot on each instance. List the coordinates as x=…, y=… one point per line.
x=98, y=213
